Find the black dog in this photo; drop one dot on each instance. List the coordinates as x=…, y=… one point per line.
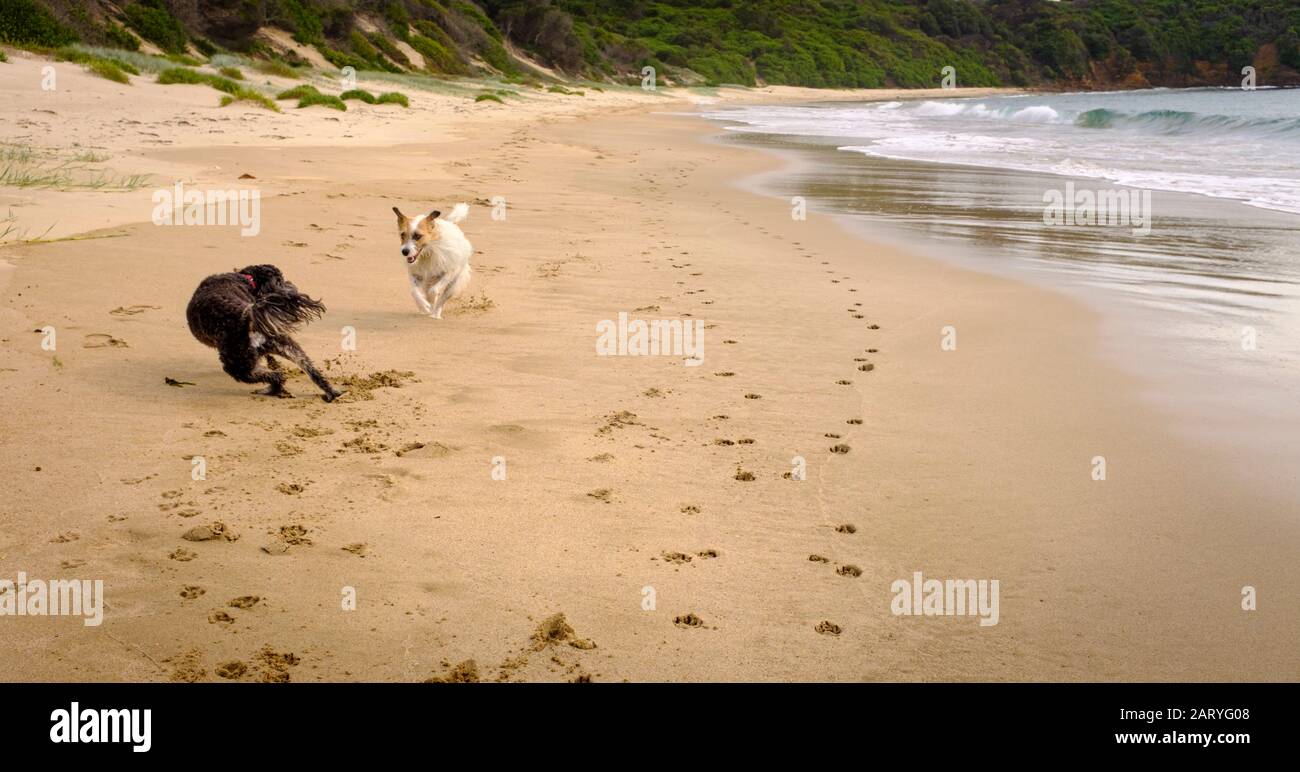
x=249, y=314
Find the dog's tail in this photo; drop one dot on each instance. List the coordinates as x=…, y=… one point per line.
x=458, y=213
x=279, y=313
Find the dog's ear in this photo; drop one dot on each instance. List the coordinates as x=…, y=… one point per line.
x=435, y=214
x=267, y=277
x=400, y=217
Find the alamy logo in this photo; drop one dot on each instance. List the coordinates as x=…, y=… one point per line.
x=178, y=206
x=103, y=726
x=1110, y=207
x=657, y=337
x=952, y=597
x=55, y=598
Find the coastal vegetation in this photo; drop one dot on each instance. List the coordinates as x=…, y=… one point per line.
x=819, y=43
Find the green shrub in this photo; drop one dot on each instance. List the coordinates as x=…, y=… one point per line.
x=472, y=12
x=325, y=100
x=173, y=75
x=206, y=47
x=194, y=77
x=152, y=20
x=370, y=57
x=496, y=55
x=362, y=55
x=224, y=84
x=399, y=19
x=297, y=92
x=361, y=46
x=1288, y=49
x=307, y=95
x=107, y=68
x=231, y=72
x=184, y=59
x=358, y=94
x=392, y=52
x=4, y=57
x=248, y=95
x=434, y=32
x=438, y=57
x=488, y=98
x=301, y=19
x=275, y=67
x=120, y=37
x=234, y=92
x=528, y=80
x=26, y=22
x=340, y=59
x=393, y=98
x=724, y=68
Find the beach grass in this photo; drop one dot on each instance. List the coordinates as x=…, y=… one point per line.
x=252, y=97
x=523, y=80
x=357, y=94
x=64, y=177
x=184, y=59
x=103, y=66
x=325, y=100
x=393, y=98
x=309, y=96
x=16, y=153
x=235, y=92
x=133, y=62
x=297, y=92
x=109, y=70
x=277, y=68
x=84, y=57
x=438, y=85
x=388, y=98
x=217, y=61
x=193, y=77
x=231, y=72
x=23, y=165
x=488, y=97
x=13, y=233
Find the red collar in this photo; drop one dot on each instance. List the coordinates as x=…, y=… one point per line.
x=251, y=283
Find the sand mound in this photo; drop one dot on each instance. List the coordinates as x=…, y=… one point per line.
x=362, y=387
x=464, y=673
x=556, y=629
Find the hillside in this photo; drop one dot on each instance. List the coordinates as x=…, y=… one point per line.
x=820, y=43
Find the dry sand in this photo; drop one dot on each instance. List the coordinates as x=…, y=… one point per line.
x=621, y=472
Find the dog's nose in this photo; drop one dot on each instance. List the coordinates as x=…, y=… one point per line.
x=406, y=251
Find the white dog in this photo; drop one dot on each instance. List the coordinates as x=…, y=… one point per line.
x=437, y=257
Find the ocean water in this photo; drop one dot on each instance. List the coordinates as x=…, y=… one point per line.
x=1224, y=143
x=1201, y=299
x=1214, y=174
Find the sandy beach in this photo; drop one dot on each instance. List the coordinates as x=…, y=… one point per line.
x=488, y=472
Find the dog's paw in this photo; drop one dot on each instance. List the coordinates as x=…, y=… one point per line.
x=333, y=395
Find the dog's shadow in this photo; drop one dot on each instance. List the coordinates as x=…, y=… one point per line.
x=398, y=320
x=187, y=378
